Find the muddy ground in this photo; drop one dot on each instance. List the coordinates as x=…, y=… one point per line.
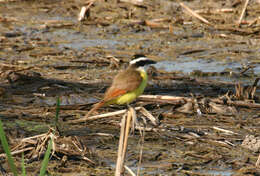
x=45, y=53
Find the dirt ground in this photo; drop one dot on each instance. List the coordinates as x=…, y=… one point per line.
x=207, y=104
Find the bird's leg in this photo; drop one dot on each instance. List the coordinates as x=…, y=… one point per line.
x=128, y=106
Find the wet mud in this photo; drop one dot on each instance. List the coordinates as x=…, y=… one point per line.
x=208, y=124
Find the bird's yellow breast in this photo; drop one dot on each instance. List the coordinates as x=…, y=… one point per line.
x=131, y=96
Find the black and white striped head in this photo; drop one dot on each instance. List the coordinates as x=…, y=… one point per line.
x=140, y=60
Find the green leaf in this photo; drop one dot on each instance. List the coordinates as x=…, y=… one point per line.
x=46, y=159
x=7, y=150
x=23, y=166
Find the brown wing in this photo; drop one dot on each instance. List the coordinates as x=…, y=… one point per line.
x=123, y=82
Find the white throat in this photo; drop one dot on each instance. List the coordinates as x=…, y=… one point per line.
x=141, y=69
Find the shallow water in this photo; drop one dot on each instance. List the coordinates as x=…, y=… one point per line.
x=188, y=64
x=217, y=172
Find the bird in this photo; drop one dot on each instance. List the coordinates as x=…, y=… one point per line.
x=127, y=85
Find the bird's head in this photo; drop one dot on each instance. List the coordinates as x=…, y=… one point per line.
x=140, y=61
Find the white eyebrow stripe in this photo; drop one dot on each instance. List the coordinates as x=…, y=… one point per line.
x=137, y=60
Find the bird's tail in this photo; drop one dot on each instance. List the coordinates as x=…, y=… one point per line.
x=95, y=107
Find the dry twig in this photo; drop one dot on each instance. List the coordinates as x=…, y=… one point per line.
x=193, y=13
x=243, y=12
x=100, y=116
x=214, y=11
x=223, y=130
x=129, y=170
x=85, y=10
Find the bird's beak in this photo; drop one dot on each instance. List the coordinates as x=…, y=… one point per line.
x=151, y=62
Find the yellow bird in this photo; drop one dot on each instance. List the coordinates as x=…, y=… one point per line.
x=127, y=84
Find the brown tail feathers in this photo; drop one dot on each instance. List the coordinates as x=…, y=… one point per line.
x=95, y=107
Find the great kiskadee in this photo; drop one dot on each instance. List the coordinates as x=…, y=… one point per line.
x=127, y=84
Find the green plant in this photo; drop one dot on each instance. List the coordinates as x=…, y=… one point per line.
x=7, y=150
x=23, y=166
x=11, y=160
x=46, y=159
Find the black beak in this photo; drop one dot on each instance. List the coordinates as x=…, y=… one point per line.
x=151, y=62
